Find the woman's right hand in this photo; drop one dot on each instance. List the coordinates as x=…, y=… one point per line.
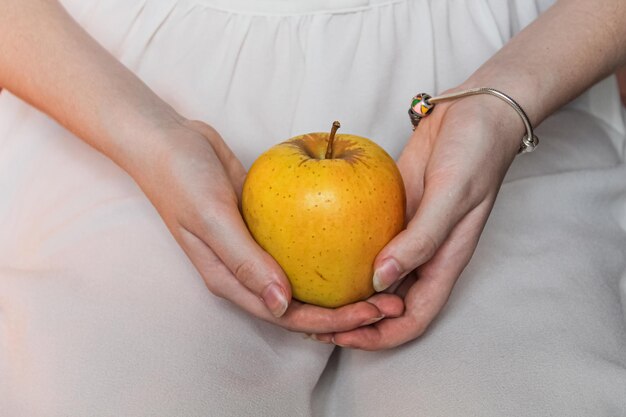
x=194, y=180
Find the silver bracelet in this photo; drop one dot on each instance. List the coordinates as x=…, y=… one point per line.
x=422, y=104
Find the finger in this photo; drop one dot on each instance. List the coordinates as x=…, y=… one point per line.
x=429, y=208
x=228, y=236
x=390, y=305
x=299, y=317
x=234, y=169
x=440, y=210
x=313, y=319
x=412, y=163
x=448, y=195
x=223, y=230
x=394, y=332
x=429, y=294
x=226, y=233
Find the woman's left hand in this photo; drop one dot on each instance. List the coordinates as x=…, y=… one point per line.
x=452, y=167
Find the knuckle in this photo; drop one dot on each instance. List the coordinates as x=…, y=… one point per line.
x=246, y=272
x=443, y=178
x=199, y=126
x=213, y=278
x=418, y=327
x=325, y=323
x=424, y=245
x=454, y=187
x=330, y=322
x=212, y=218
x=209, y=218
x=214, y=288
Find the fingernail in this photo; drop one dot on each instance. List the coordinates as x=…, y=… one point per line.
x=275, y=299
x=314, y=337
x=335, y=343
x=372, y=320
x=386, y=274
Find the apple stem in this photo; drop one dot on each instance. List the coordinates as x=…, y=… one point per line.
x=331, y=139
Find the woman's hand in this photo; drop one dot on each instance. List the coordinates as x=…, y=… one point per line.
x=455, y=162
x=194, y=180
x=452, y=167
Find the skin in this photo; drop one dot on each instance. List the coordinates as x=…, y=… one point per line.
x=50, y=62
x=565, y=51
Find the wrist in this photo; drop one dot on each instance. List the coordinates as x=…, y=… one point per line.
x=490, y=117
x=135, y=138
x=523, y=87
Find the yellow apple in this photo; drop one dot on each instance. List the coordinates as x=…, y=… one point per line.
x=323, y=205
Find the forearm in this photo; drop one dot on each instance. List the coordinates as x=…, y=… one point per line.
x=48, y=60
x=566, y=50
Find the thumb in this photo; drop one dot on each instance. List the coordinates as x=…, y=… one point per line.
x=440, y=209
x=230, y=240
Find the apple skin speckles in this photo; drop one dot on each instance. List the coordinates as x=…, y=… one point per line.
x=338, y=215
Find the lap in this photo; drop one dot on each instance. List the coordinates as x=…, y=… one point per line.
x=101, y=313
x=534, y=326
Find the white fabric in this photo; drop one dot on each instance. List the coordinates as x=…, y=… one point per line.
x=290, y=7
x=101, y=314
